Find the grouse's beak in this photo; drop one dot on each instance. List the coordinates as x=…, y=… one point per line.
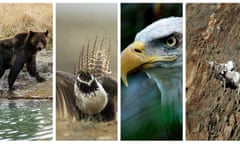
x=133, y=58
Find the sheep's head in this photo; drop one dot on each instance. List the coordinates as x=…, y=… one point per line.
x=211, y=64
x=218, y=68
x=229, y=66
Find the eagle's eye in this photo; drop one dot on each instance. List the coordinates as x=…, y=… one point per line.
x=137, y=50
x=171, y=41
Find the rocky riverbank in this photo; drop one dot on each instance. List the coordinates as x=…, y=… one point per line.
x=28, y=87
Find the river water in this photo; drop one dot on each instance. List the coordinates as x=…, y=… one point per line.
x=25, y=119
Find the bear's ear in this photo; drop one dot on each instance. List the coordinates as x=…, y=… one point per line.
x=46, y=33
x=31, y=33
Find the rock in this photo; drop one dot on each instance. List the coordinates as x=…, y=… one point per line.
x=44, y=61
x=227, y=132
x=217, y=117
x=238, y=115
x=232, y=120
x=229, y=106
x=220, y=137
x=203, y=135
x=197, y=128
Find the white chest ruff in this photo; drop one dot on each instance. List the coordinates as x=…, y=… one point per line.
x=91, y=103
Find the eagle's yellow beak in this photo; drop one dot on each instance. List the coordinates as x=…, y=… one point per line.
x=133, y=58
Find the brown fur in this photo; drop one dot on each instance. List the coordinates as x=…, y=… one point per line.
x=21, y=49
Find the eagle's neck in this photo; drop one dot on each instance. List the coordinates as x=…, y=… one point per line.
x=169, y=83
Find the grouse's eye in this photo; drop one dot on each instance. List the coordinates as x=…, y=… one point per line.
x=171, y=41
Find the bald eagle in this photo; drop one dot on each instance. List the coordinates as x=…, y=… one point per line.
x=91, y=91
x=151, y=72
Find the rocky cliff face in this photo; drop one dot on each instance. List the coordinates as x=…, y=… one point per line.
x=213, y=34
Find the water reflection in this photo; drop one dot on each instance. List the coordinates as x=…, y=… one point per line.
x=25, y=119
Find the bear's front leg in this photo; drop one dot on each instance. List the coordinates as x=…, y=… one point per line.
x=32, y=70
x=15, y=69
x=2, y=68
x=39, y=78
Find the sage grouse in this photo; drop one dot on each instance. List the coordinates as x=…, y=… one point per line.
x=90, y=92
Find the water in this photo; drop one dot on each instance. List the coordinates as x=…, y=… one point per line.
x=25, y=119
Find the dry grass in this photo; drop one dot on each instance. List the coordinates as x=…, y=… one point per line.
x=16, y=18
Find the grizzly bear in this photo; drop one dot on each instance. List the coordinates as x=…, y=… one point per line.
x=19, y=50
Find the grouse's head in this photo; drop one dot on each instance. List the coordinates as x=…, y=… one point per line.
x=86, y=82
x=91, y=98
x=84, y=77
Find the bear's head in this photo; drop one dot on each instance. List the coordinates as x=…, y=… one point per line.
x=38, y=39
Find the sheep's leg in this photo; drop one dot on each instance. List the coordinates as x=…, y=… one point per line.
x=224, y=85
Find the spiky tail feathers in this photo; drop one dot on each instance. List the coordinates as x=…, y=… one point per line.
x=95, y=59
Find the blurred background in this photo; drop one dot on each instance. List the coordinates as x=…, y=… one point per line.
x=79, y=23
x=76, y=26
x=17, y=18
x=135, y=17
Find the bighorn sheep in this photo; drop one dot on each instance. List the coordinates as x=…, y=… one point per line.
x=227, y=66
x=222, y=67
x=217, y=70
x=224, y=72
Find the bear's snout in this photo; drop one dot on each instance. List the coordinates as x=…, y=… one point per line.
x=39, y=46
